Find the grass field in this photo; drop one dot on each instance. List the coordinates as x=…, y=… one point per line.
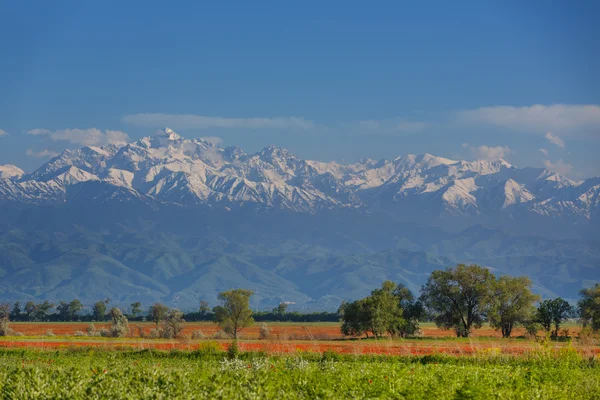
x=208, y=373
x=297, y=361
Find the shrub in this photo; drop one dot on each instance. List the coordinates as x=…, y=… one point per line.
x=91, y=329
x=49, y=332
x=208, y=348
x=532, y=329
x=155, y=333
x=221, y=335
x=198, y=334
x=5, y=330
x=120, y=325
x=105, y=333
x=265, y=332
x=19, y=334
x=172, y=324
x=233, y=350
x=79, y=333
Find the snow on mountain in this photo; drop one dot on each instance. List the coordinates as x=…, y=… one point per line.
x=10, y=172
x=169, y=168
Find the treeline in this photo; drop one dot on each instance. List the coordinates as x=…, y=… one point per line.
x=462, y=299
x=73, y=311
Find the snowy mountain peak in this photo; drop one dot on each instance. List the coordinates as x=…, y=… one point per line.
x=168, y=168
x=9, y=171
x=168, y=134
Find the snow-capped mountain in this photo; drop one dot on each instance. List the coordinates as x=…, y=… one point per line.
x=167, y=168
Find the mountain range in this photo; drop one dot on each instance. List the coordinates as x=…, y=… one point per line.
x=177, y=220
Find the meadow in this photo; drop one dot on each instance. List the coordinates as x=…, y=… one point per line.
x=296, y=361
x=210, y=373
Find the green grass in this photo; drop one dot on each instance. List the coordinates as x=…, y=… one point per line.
x=209, y=374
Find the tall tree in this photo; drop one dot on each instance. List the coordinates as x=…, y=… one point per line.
x=63, y=311
x=457, y=297
x=551, y=313
x=234, y=314
x=157, y=312
x=31, y=310
x=204, y=308
x=510, y=303
x=99, y=311
x=377, y=314
x=42, y=310
x=15, y=314
x=589, y=307
x=74, y=307
x=412, y=311
x=136, y=309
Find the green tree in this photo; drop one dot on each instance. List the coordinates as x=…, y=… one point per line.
x=63, y=311
x=157, y=312
x=280, y=310
x=15, y=314
x=457, y=297
x=42, y=310
x=136, y=309
x=74, y=307
x=30, y=310
x=377, y=314
x=511, y=303
x=412, y=311
x=589, y=307
x=204, y=308
x=234, y=314
x=383, y=313
x=551, y=313
x=351, y=316
x=99, y=311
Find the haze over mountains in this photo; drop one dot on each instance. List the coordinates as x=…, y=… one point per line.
x=178, y=220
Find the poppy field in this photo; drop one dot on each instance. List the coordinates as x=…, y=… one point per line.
x=296, y=361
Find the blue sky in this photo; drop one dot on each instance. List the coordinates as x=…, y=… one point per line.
x=327, y=80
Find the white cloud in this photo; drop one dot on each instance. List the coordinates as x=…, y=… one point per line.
x=555, y=140
x=392, y=125
x=489, y=153
x=410, y=127
x=536, y=118
x=544, y=152
x=191, y=121
x=560, y=167
x=46, y=153
x=86, y=137
x=213, y=139
x=3, y=132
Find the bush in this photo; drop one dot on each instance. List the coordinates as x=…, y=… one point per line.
x=105, y=333
x=120, y=325
x=233, y=350
x=198, y=334
x=79, y=333
x=155, y=333
x=19, y=334
x=221, y=335
x=265, y=332
x=208, y=348
x=49, y=332
x=91, y=329
x=5, y=330
x=532, y=329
